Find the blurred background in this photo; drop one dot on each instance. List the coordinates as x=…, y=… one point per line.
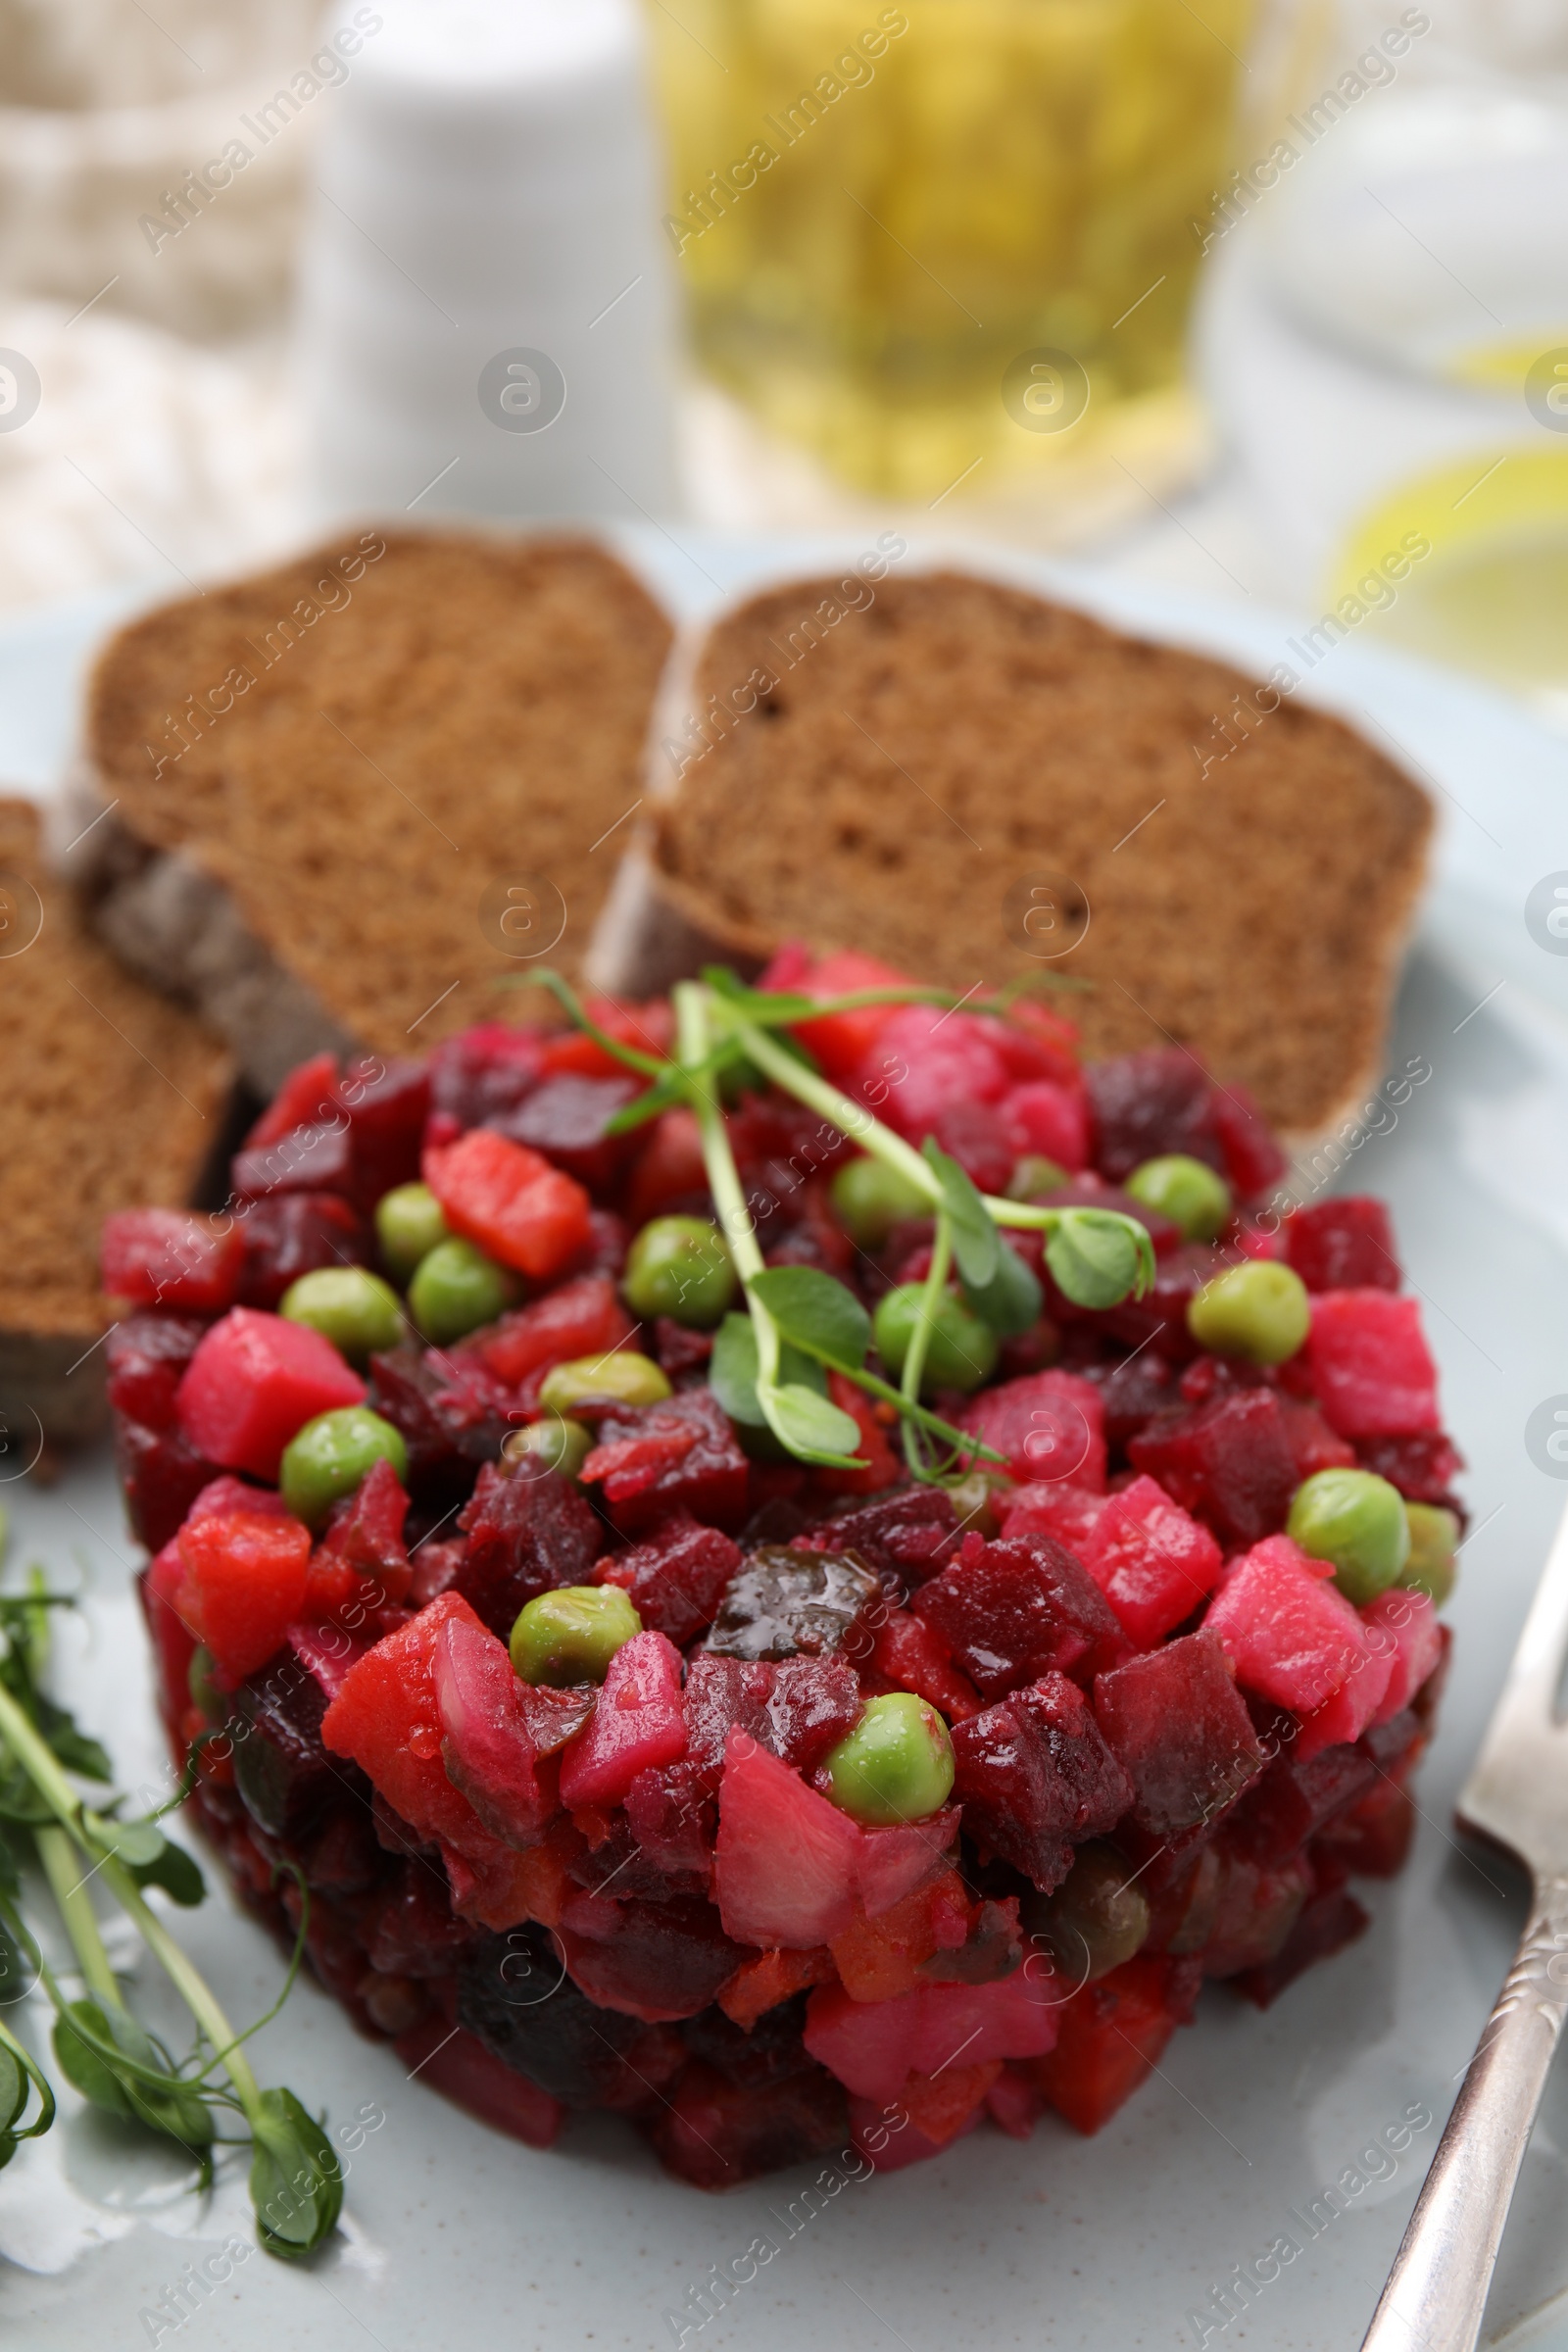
x=1246, y=296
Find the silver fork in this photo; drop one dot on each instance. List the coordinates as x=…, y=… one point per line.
x=1517, y=1796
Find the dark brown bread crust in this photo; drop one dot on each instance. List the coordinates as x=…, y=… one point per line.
x=113, y=1097
x=459, y=714
x=901, y=785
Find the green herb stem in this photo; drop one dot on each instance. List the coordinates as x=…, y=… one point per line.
x=852, y=1118
x=62, y=1862
x=936, y=1283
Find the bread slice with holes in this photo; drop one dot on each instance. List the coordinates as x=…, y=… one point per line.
x=349, y=793
x=971, y=782
x=113, y=1097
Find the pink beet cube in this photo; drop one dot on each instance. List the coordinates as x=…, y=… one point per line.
x=1012, y=1610
x=873, y=2045
x=486, y=1746
x=169, y=1257
x=1370, y=1364
x=1289, y=1635
x=1179, y=1727
x=786, y=1862
x=1356, y=1702
x=253, y=1383
x=1409, y=1622
x=1048, y=1121
x=636, y=1726
x=1069, y=1513
x=1344, y=1244
x=1151, y=1561
x=1047, y=1426
x=1034, y=1776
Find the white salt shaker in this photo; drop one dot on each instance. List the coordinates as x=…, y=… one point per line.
x=486, y=321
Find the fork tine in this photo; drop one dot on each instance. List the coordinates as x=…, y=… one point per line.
x=1525, y=1712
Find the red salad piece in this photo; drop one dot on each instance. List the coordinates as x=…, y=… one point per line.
x=1111, y=2035
x=582, y=1317
x=510, y=1201
x=171, y=1258
x=675, y=1577
x=927, y=1059
x=785, y=1860
x=1034, y=1776
x=1253, y=1159
x=365, y=1532
x=1229, y=1463
x=1012, y=1610
x=1049, y=1120
x=910, y=1656
x=1152, y=1562
x=243, y=1586
x=842, y=1042
x=1047, y=1426
x=1289, y=1633
x=872, y=2046
x=486, y=1746
x=1179, y=1726
x=1370, y=1364
x=253, y=1383
x=1409, y=1623
x=1344, y=1244
x=688, y=1459
x=637, y=1725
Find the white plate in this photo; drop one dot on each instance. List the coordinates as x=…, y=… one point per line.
x=452, y=2235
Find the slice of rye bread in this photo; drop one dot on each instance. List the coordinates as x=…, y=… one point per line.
x=913, y=768
x=327, y=779
x=113, y=1097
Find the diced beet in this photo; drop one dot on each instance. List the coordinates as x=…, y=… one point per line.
x=898, y=1862
x=1067, y=1512
x=888, y=2138
x=387, y=1717
x=1259, y=1903
x=1409, y=1622
x=905, y=1537
x=707, y=1476
x=513, y=1994
x=637, y=1724
x=223, y=1496
x=842, y=1042
x=146, y=1355
x=244, y=1584
x=1013, y=2104
x=1180, y=1728
x=510, y=1201
x=785, y=1603
x=1252, y=1159
x=281, y=1769
x=673, y=1821
x=656, y=1961
x=1047, y=1426
x=566, y=1117
x=813, y=1704
x=980, y=1140
x=160, y=1477
x=1370, y=1364
x=386, y=1105
x=1372, y=1837
x=1158, y=1321
x=1015, y=1610
x=315, y=1159
x=486, y=1744
x=1288, y=1632
x=453, y=1414
x=171, y=1258
x=327, y=1652
x=1293, y=1800
x=1133, y=1392
x=483, y=1073
x=681, y=1352
x=525, y=1537
x=293, y=1234
x=1329, y=1920
x=1313, y=1444
x=873, y=2045
x=582, y=1317
x=944, y=1058
x=1048, y=1121
x=462, y=2069
x=1148, y=1103
x=910, y=1656
x=1345, y=1715
x=306, y=1097
x=785, y=1860
x=675, y=1578
x=1228, y=1464
x=1110, y=2037
x=253, y=1381
x=880, y=1464
x=1152, y=1562
x=1034, y=1776
x=1423, y=1465
x=715, y=2134
x=1344, y=1244
x=721, y=1696
x=364, y=1530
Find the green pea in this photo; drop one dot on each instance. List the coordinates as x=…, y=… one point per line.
x=1035, y=1176
x=1432, y=1566
x=1356, y=1520
x=680, y=1267
x=551, y=1445
x=1258, y=1310
x=354, y=1308
x=869, y=1198
x=205, y=1696
x=619, y=1378
x=570, y=1634
x=895, y=1765
x=962, y=1350
x=456, y=1289
x=1184, y=1190
x=408, y=1223
x=330, y=1455
x=973, y=1497
x=1096, y=1919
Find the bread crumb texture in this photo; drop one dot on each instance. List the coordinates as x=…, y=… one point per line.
x=113, y=1096
x=379, y=745
x=918, y=765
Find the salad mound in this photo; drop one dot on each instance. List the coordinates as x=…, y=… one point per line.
x=789, y=1562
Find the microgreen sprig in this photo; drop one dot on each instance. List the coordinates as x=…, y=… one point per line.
x=769, y=1366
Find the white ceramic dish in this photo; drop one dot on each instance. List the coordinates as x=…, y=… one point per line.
x=452, y=2235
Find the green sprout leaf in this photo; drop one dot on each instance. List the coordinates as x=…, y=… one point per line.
x=976, y=1243
x=296, y=2180
x=1012, y=1300
x=732, y=1371
x=812, y=1427
x=816, y=1314
x=177, y=1872
x=1093, y=1257
x=114, y=2062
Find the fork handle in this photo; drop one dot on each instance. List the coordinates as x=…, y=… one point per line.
x=1436, y=2289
